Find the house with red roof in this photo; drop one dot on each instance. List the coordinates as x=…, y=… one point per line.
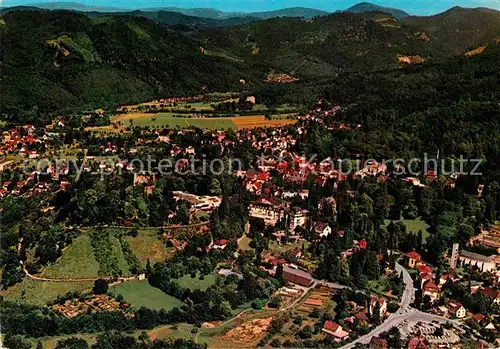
x=456, y=309
x=412, y=258
x=424, y=268
x=335, y=330
x=492, y=294
x=361, y=317
x=417, y=343
x=378, y=343
x=220, y=244
x=431, y=289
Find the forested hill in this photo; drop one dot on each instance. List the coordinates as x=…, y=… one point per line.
x=53, y=60
x=460, y=28
x=347, y=41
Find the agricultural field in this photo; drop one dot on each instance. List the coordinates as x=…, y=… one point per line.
x=40, y=292
x=413, y=225
x=243, y=122
x=169, y=120
x=146, y=245
x=195, y=283
x=77, y=261
x=142, y=294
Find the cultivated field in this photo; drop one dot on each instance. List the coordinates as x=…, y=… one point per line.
x=243, y=122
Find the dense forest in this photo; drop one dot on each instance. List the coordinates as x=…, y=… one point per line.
x=57, y=61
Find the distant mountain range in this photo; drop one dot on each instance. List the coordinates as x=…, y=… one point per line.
x=62, y=59
x=209, y=13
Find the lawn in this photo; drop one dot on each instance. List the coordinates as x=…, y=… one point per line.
x=413, y=225
x=182, y=330
x=40, y=292
x=274, y=246
x=142, y=294
x=195, y=283
x=77, y=261
x=244, y=243
x=146, y=245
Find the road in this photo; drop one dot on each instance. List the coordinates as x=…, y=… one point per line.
x=404, y=312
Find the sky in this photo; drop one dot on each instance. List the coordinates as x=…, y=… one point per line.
x=415, y=7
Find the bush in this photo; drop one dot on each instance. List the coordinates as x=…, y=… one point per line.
x=392, y=307
x=275, y=343
x=257, y=304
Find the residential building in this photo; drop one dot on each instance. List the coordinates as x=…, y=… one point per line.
x=417, y=343
x=298, y=218
x=431, y=289
x=456, y=309
x=412, y=258
x=382, y=303
x=335, y=330
x=322, y=229
x=378, y=343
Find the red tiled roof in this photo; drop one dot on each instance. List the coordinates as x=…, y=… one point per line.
x=363, y=244
x=331, y=326
x=489, y=292
x=424, y=268
x=416, y=343
x=220, y=242
x=413, y=255
x=431, y=287
x=478, y=317
x=361, y=316
x=454, y=305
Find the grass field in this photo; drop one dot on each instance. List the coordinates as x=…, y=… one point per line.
x=41, y=292
x=142, y=294
x=413, y=225
x=195, y=283
x=146, y=245
x=77, y=261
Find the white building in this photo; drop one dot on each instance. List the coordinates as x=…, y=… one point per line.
x=483, y=263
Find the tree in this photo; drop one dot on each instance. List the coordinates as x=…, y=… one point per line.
x=100, y=286
x=72, y=343
x=393, y=337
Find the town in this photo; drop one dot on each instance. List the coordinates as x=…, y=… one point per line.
x=274, y=242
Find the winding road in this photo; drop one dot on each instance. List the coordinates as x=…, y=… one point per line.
x=404, y=312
